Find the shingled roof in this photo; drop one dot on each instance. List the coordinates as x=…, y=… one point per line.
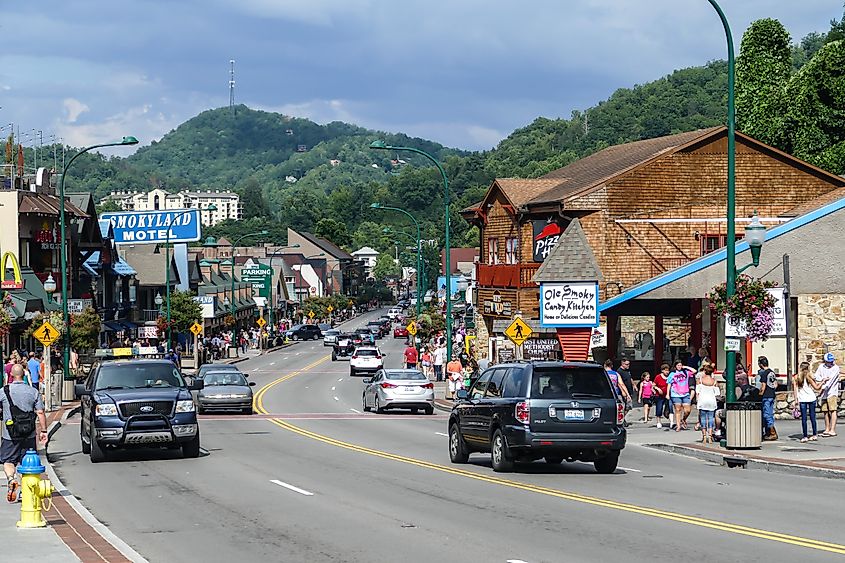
x=571, y=259
x=599, y=167
x=522, y=190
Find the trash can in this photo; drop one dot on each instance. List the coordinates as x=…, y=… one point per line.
x=232, y=352
x=744, y=425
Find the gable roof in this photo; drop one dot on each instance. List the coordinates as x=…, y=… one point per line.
x=366, y=251
x=605, y=164
x=326, y=245
x=571, y=259
x=522, y=190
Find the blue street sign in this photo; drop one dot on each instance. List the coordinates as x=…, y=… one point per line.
x=150, y=227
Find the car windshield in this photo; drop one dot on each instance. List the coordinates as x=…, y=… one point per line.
x=296, y=327
x=215, y=367
x=225, y=378
x=367, y=352
x=332, y=332
x=137, y=375
x=570, y=383
x=405, y=375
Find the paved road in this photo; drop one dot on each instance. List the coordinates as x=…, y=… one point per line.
x=320, y=481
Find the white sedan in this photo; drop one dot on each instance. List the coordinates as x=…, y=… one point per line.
x=398, y=388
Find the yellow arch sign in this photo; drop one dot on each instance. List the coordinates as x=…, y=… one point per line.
x=17, y=282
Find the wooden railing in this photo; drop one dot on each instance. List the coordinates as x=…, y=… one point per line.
x=506, y=275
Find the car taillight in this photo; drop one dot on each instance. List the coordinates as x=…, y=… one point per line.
x=354, y=357
x=387, y=385
x=620, y=413
x=523, y=412
x=428, y=386
x=378, y=357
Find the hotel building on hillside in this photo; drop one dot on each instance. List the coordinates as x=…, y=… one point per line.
x=228, y=203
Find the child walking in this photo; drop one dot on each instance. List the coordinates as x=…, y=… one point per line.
x=646, y=397
x=707, y=391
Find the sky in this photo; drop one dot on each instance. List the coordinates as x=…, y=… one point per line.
x=465, y=73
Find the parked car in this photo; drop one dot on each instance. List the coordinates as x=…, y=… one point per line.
x=225, y=390
x=137, y=403
x=365, y=359
x=304, y=332
x=330, y=336
x=398, y=388
x=344, y=347
x=400, y=332
x=541, y=409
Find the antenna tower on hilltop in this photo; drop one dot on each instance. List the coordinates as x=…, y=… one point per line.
x=232, y=86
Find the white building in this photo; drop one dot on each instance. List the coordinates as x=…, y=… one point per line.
x=228, y=203
x=368, y=256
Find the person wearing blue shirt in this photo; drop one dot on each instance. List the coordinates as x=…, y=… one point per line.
x=34, y=367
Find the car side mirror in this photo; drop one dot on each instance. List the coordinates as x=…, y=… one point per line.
x=367, y=380
x=197, y=385
x=252, y=384
x=462, y=394
x=246, y=375
x=80, y=391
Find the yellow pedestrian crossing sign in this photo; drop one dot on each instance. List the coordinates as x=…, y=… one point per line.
x=261, y=322
x=46, y=334
x=329, y=308
x=412, y=328
x=351, y=303
x=518, y=331
x=311, y=314
x=196, y=328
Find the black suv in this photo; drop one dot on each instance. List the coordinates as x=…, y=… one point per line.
x=304, y=332
x=525, y=411
x=138, y=402
x=344, y=346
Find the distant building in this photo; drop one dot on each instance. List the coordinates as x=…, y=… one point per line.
x=368, y=257
x=228, y=203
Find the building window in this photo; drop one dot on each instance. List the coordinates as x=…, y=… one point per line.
x=155, y=202
x=510, y=251
x=712, y=243
x=493, y=251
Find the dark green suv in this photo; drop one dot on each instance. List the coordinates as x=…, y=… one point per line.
x=525, y=411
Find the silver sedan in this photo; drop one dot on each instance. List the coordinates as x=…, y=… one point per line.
x=398, y=388
x=225, y=390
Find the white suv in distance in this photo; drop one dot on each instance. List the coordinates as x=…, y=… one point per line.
x=365, y=359
x=394, y=313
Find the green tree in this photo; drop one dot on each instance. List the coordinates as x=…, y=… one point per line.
x=385, y=267
x=763, y=69
x=252, y=200
x=108, y=206
x=85, y=330
x=815, y=119
x=184, y=311
x=335, y=231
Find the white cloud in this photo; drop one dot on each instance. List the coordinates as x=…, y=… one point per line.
x=321, y=111
x=313, y=12
x=73, y=109
x=141, y=122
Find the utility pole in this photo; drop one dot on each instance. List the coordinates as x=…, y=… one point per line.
x=232, y=86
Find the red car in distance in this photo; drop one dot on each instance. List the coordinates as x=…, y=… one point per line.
x=400, y=332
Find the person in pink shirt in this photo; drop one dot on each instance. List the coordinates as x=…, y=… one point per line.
x=647, y=395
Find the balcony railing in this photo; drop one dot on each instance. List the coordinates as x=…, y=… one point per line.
x=506, y=275
x=150, y=314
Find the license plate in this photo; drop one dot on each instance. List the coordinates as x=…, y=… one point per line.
x=573, y=414
x=410, y=389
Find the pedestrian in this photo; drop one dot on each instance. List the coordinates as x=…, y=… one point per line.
x=455, y=376
x=646, y=395
x=615, y=382
x=439, y=360
x=695, y=358
x=707, y=391
x=804, y=389
x=680, y=394
x=625, y=373
x=768, y=385
x=411, y=356
x=22, y=405
x=7, y=369
x=34, y=367
x=426, y=362
x=828, y=375
x=661, y=395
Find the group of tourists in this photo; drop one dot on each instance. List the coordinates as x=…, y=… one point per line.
x=432, y=360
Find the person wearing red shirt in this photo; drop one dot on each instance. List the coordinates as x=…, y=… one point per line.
x=661, y=394
x=410, y=357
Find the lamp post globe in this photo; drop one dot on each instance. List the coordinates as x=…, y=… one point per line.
x=755, y=235
x=50, y=284
x=159, y=300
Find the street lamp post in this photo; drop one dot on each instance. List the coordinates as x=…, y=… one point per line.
x=50, y=395
x=63, y=247
x=419, y=245
x=233, y=245
x=273, y=275
x=381, y=145
x=211, y=207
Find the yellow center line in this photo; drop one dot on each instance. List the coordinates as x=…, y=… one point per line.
x=575, y=497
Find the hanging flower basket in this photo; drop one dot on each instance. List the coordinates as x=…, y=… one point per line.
x=229, y=320
x=5, y=321
x=751, y=307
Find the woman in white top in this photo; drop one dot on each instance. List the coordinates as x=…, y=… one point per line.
x=706, y=391
x=804, y=388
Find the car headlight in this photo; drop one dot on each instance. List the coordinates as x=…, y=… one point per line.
x=185, y=406
x=107, y=409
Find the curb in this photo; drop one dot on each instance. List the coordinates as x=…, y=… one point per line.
x=439, y=405
x=752, y=462
x=120, y=545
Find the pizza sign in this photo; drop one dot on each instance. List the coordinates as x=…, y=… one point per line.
x=546, y=235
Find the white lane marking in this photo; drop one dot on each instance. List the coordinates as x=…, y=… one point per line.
x=292, y=488
x=336, y=399
x=340, y=380
x=272, y=363
x=442, y=434
x=516, y=561
x=629, y=469
x=332, y=388
x=355, y=410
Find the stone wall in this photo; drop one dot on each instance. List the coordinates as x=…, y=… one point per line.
x=821, y=328
x=785, y=403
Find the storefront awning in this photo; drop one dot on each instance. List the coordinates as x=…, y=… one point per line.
x=113, y=326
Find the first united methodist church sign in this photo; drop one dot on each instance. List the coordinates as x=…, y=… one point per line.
x=150, y=227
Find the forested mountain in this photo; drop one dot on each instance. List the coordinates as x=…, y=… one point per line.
x=294, y=172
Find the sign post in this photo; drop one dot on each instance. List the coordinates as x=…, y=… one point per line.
x=47, y=334
x=518, y=332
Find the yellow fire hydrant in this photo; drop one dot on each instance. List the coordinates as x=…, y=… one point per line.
x=34, y=491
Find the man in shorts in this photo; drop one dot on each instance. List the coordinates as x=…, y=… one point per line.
x=28, y=399
x=828, y=375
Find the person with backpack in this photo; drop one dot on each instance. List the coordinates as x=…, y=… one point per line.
x=768, y=385
x=680, y=394
x=22, y=405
